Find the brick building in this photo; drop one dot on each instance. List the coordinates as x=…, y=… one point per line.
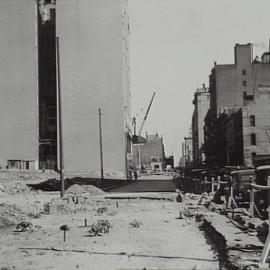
x=250, y=133
x=229, y=84
x=231, y=87
x=150, y=155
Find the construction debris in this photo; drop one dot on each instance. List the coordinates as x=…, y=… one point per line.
x=99, y=228
x=11, y=215
x=135, y=223
x=102, y=210
x=24, y=226
x=14, y=187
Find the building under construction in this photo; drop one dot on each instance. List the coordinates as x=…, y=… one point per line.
x=93, y=72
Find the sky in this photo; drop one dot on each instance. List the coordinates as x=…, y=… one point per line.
x=173, y=46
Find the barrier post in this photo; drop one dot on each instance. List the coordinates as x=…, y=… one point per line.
x=251, y=203
x=266, y=247
x=212, y=185
x=218, y=182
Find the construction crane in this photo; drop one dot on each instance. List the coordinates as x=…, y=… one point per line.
x=134, y=122
x=146, y=114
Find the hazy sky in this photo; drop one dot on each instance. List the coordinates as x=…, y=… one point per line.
x=173, y=45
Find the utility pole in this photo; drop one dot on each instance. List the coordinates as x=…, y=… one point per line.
x=100, y=144
x=60, y=136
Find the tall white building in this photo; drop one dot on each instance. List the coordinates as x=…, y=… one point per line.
x=94, y=59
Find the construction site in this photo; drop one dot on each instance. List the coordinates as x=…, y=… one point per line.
x=87, y=183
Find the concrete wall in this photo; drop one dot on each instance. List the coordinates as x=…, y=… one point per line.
x=260, y=108
x=18, y=81
x=92, y=76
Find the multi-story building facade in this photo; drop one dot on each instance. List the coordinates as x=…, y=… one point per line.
x=94, y=69
x=46, y=22
x=229, y=84
x=19, y=81
x=188, y=151
x=248, y=130
x=94, y=61
x=231, y=87
x=201, y=104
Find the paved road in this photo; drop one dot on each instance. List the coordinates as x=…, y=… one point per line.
x=147, y=186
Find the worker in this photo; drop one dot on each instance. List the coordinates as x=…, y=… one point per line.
x=135, y=174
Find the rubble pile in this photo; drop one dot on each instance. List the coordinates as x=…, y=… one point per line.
x=24, y=226
x=101, y=210
x=11, y=215
x=14, y=187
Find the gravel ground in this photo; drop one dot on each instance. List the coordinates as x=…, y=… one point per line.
x=144, y=234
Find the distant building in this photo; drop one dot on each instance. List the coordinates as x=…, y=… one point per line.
x=169, y=162
x=201, y=104
x=188, y=151
x=150, y=155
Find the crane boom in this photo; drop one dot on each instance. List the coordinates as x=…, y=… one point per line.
x=146, y=114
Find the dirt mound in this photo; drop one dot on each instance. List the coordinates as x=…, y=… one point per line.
x=80, y=189
x=75, y=189
x=11, y=215
x=14, y=187
x=92, y=190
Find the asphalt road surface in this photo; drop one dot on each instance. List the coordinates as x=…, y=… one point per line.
x=147, y=186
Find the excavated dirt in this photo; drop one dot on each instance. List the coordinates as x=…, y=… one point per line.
x=142, y=234
x=157, y=240
x=80, y=189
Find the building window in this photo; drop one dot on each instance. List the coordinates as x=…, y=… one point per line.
x=244, y=83
x=244, y=72
x=253, y=139
x=253, y=155
x=252, y=120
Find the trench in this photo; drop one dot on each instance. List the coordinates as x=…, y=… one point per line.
x=216, y=241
